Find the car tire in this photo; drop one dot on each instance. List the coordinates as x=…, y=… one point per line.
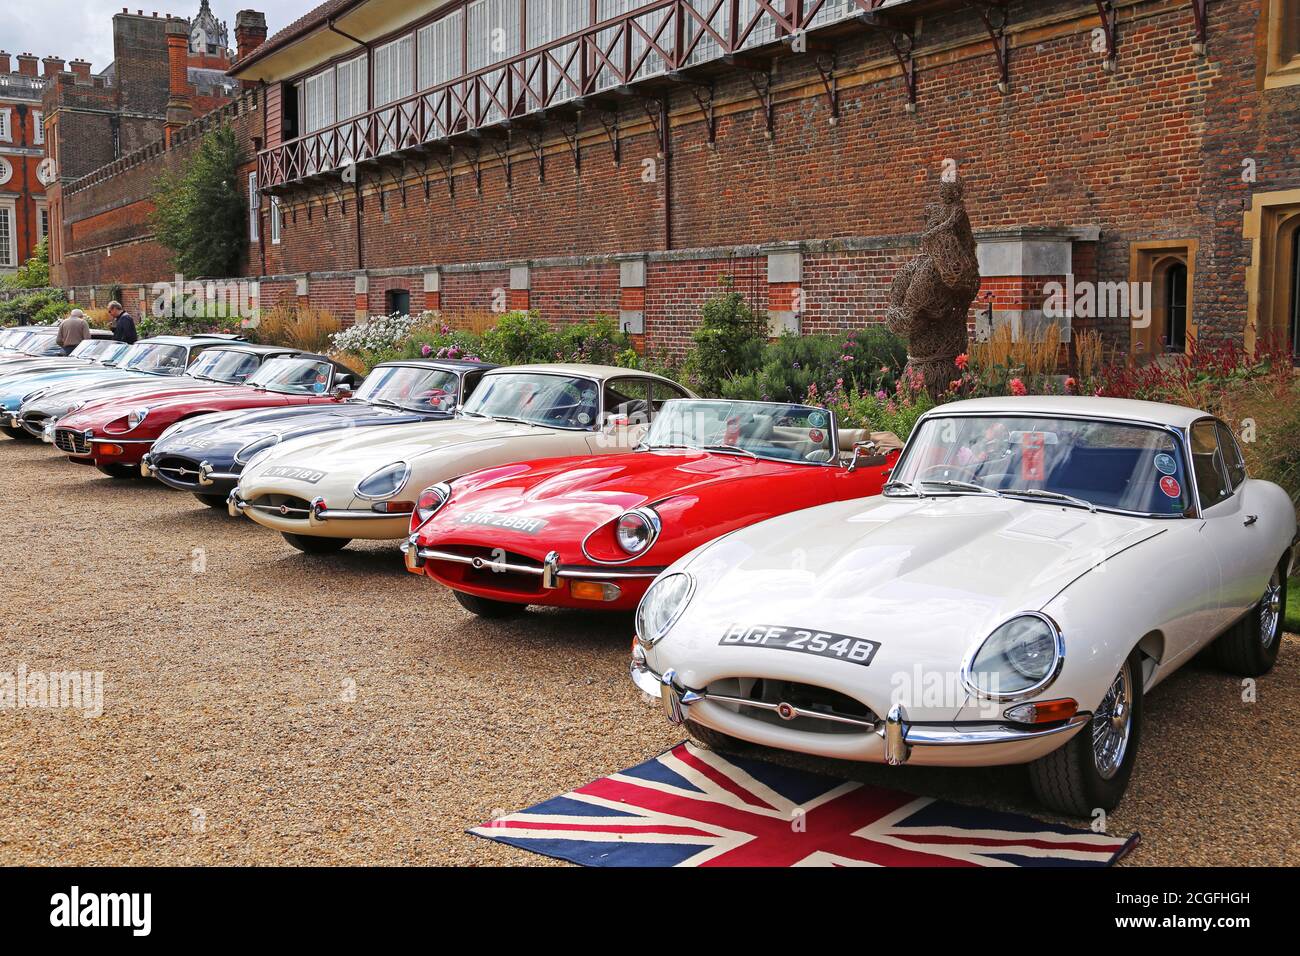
x=486, y=607
x=1077, y=779
x=1250, y=647
x=212, y=501
x=121, y=472
x=19, y=434
x=308, y=544
x=713, y=739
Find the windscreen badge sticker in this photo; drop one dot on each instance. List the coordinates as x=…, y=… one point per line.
x=817, y=420
x=1165, y=464
x=851, y=650
x=1170, y=486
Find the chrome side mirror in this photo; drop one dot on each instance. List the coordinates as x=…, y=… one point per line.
x=341, y=391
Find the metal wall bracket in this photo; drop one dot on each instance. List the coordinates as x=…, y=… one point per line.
x=830, y=83
x=609, y=120
x=657, y=112
x=761, y=82
x=904, y=46
x=1110, y=27
x=502, y=150
x=572, y=138
x=702, y=93
x=994, y=15
x=446, y=160
x=534, y=140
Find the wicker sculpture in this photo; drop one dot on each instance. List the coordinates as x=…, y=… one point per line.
x=931, y=296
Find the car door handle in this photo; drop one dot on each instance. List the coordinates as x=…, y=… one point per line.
x=1250, y=520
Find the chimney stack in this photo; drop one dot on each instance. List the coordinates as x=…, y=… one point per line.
x=179, y=112
x=53, y=65
x=27, y=64
x=81, y=68
x=4, y=63
x=250, y=33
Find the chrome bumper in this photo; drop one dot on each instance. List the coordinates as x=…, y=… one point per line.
x=551, y=572
x=900, y=736
x=318, y=513
x=207, y=477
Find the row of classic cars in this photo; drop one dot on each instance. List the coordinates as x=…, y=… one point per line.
x=1003, y=589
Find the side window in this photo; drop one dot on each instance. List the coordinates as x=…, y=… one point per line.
x=663, y=392
x=1233, y=461
x=1211, y=476
x=627, y=400
x=468, y=384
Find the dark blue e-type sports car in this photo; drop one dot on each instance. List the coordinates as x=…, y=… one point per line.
x=205, y=455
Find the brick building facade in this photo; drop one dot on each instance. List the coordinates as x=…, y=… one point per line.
x=24, y=212
x=625, y=167
x=152, y=87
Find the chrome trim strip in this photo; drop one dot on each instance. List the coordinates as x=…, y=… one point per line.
x=784, y=708
x=593, y=574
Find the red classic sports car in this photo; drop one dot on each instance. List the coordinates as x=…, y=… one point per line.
x=114, y=434
x=594, y=532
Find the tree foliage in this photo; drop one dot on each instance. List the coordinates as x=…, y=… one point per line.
x=199, y=212
x=34, y=273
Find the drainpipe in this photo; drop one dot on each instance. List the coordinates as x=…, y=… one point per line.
x=370, y=104
x=665, y=144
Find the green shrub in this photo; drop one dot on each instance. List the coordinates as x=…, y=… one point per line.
x=519, y=338
x=729, y=342
x=34, y=273
x=147, y=326
x=200, y=216
x=598, y=341
x=24, y=309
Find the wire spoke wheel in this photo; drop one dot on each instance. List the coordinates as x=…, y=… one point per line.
x=1270, y=610
x=1111, y=725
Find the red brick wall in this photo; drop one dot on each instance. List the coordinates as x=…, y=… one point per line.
x=1152, y=150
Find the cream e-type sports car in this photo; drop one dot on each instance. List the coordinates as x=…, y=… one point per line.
x=322, y=490
x=1034, y=567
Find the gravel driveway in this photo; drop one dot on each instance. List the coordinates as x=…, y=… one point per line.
x=263, y=707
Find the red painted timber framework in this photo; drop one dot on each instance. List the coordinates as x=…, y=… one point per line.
x=670, y=44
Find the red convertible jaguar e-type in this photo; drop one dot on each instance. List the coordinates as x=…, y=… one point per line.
x=594, y=532
x=114, y=434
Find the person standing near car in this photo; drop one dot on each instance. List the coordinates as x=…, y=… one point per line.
x=123, y=324
x=73, y=330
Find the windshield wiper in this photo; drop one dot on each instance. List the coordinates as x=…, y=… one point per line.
x=384, y=404
x=964, y=486
x=1051, y=495
x=474, y=414
x=730, y=448
x=512, y=421
x=903, y=486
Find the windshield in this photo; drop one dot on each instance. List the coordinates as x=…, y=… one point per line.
x=765, y=429
x=1115, y=465
x=14, y=338
x=103, y=351
x=295, y=375
x=423, y=389
x=156, y=359
x=42, y=343
x=224, y=365
x=561, y=401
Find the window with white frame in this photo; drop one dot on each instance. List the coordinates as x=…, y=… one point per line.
x=549, y=20
x=254, y=202
x=8, y=240
x=441, y=54
x=352, y=83
x=42, y=221
x=38, y=128
x=316, y=101
x=6, y=125
x=492, y=35
x=277, y=221
x=394, y=81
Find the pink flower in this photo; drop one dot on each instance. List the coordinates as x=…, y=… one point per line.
x=1071, y=386
x=962, y=361
x=426, y=350
x=1018, y=387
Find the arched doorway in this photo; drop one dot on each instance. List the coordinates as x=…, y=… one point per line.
x=1169, y=313
x=1164, y=270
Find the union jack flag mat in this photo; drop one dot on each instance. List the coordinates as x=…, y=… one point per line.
x=694, y=807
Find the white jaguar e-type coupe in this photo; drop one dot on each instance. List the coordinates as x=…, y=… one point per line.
x=1034, y=567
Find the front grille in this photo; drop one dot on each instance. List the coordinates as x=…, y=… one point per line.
x=282, y=506
x=485, y=576
x=71, y=441
x=34, y=422
x=828, y=709
x=182, y=471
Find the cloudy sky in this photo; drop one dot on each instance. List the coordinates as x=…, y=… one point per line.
x=84, y=28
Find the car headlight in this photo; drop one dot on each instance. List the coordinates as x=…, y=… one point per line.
x=385, y=482
x=662, y=605
x=135, y=416
x=1021, y=656
x=430, y=500
x=636, y=530
x=250, y=451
